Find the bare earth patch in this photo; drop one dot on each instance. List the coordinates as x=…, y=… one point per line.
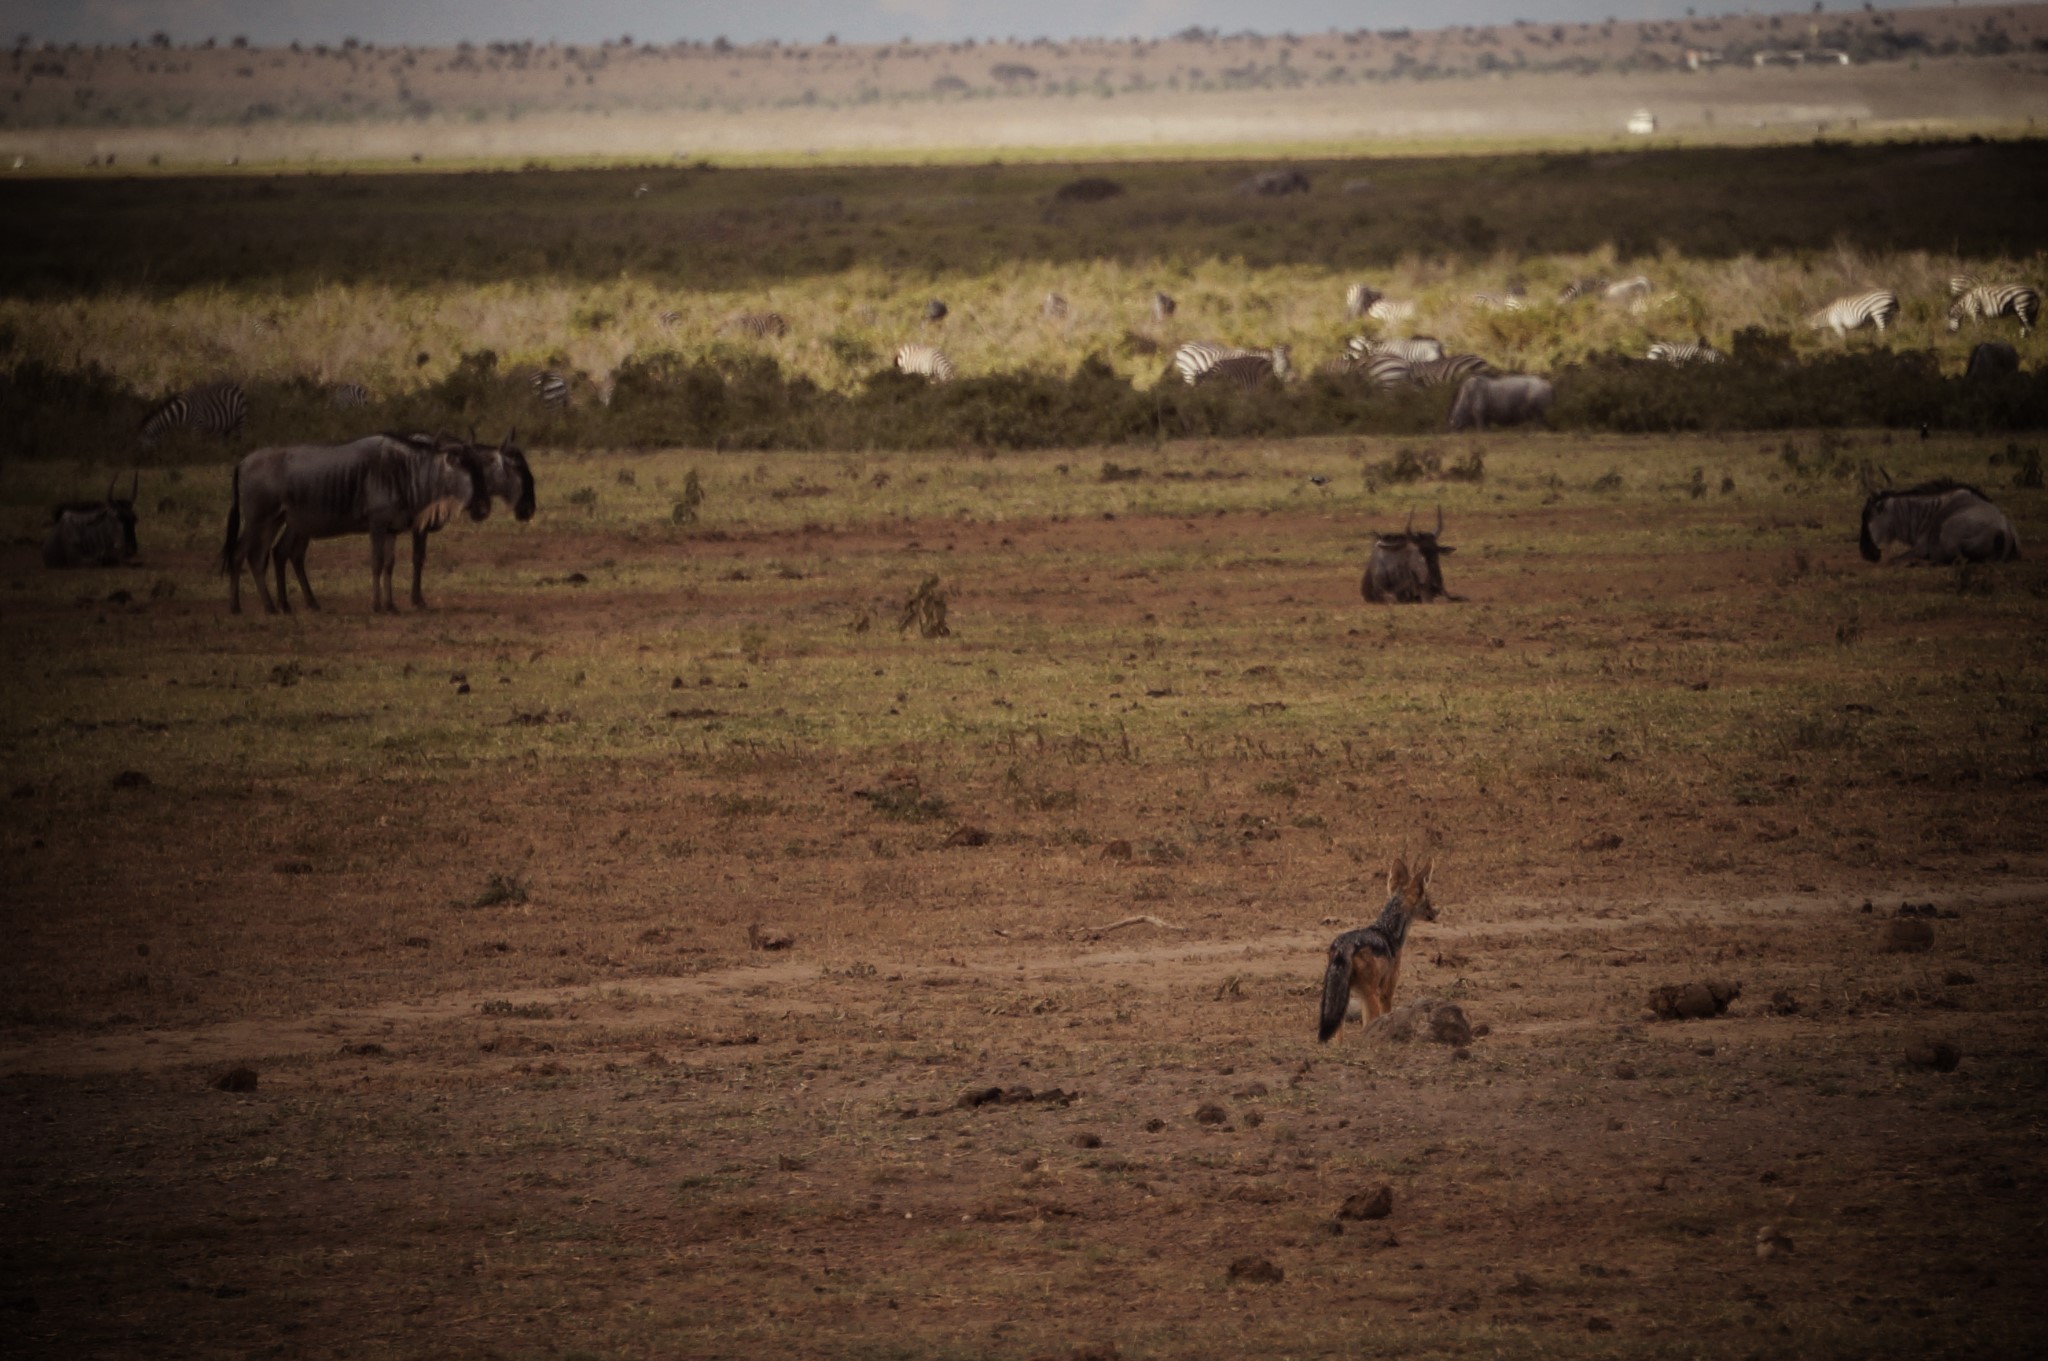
x=519, y=1082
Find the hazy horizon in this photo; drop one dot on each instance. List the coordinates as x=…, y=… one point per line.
x=440, y=22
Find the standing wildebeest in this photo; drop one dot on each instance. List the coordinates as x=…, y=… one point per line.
x=1940, y=522
x=506, y=471
x=1508, y=399
x=1407, y=568
x=1991, y=359
x=378, y=485
x=94, y=533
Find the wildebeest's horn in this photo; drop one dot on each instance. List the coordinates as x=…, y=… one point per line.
x=511, y=438
x=472, y=434
x=110, y=485
x=1410, y=529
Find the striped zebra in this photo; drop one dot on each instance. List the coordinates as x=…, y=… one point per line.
x=551, y=386
x=216, y=409
x=1683, y=352
x=1197, y=357
x=669, y=320
x=1359, y=298
x=925, y=361
x=1053, y=308
x=348, y=395
x=1249, y=368
x=1449, y=371
x=1391, y=311
x=1497, y=302
x=760, y=324
x=1629, y=290
x=1878, y=308
x=1408, y=349
x=1380, y=370
x=1163, y=306
x=1984, y=302
x=1581, y=288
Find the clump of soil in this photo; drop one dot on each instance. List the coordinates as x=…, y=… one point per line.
x=1693, y=1001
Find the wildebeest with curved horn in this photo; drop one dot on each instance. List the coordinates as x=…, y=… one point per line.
x=378, y=486
x=1507, y=399
x=505, y=469
x=94, y=533
x=1406, y=568
x=1940, y=522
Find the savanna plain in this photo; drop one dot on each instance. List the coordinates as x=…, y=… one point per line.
x=873, y=902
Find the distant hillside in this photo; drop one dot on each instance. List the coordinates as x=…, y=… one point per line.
x=228, y=84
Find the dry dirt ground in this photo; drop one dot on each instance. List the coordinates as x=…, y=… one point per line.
x=479, y=932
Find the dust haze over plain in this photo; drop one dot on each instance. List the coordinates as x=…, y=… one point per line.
x=432, y=22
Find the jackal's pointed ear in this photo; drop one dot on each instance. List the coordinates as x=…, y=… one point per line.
x=1420, y=882
x=1397, y=876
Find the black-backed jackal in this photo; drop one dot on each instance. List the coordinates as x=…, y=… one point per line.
x=1368, y=961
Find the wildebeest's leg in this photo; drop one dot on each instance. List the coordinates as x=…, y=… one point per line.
x=300, y=544
x=419, y=565
x=380, y=557
x=259, y=543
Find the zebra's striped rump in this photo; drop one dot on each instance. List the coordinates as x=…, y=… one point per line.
x=1683, y=352
x=925, y=361
x=1197, y=357
x=216, y=409
x=1878, y=308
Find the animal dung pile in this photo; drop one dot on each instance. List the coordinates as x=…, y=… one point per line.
x=1430, y=1018
x=1693, y=1001
x=1374, y=1204
x=1907, y=935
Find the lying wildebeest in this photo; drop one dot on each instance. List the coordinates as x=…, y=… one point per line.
x=1406, y=568
x=378, y=486
x=94, y=533
x=505, y=469
x=1940, y=522
x=1991, y=359
x=1508, y=399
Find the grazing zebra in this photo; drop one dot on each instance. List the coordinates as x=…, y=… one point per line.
x=551, y=387
x=1982, y=302
x=1629, y=290
x=1580, y=288
x=1843, y=315
x=1391, y=311
x=669, y=320
x=1497, y=302
x=216, y=409
x=926, y=361
x=1054, y=307
x=1163, y=306
x=1197, y=357
x=1449, y=371
x=758, y=324
x=1684, y=352
x=1358, y=298
x=935, y=310
x=348, y=395
x=1409, y=349
x=1381, y=370
x=1248, y=368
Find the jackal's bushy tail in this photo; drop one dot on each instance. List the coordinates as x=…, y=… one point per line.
x=1337, y=986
